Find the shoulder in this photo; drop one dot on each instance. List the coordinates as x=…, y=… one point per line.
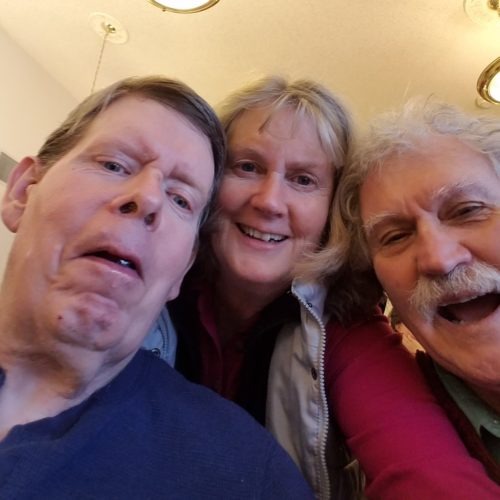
x=196, y=410
x=368, y=346
x=187, y=427
x=363, y=334
x=151, y=434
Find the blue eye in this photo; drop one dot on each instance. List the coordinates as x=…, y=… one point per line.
x=181, y=202
x=303, y=180
x=247, y=166
x=112, y=166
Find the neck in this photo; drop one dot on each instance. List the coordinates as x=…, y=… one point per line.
x=239, y=307
x=489, y=396
x=43, y=382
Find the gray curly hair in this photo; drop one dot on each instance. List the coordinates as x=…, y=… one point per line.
x=394, y=133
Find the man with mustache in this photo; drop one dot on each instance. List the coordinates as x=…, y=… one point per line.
x=106, y=218
x=421, y=199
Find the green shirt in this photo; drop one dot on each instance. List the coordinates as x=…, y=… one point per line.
x=485, y=420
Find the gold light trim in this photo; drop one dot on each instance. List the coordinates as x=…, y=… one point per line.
x=175, y=5
x=484, y=12
x=488, y=83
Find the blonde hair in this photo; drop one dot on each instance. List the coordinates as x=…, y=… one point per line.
x=308, y=98
x=327, y=113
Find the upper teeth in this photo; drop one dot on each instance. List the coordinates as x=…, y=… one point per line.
x=262, y=236
x=104, y=254
x=460, y=301
x=124, y=262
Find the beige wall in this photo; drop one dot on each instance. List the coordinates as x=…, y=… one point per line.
x=5, y=237
x=32, y=104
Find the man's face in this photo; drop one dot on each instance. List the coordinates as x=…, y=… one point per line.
x=107, y=234
x=432, y=217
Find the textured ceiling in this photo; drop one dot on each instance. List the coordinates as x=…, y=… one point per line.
x=374, y=54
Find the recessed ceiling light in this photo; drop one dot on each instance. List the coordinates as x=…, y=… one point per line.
x=184, y=6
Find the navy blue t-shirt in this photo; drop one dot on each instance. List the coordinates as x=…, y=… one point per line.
x=148, y=434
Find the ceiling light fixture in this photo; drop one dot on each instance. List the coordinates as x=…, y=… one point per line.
x=184, y=6
x=486, y=13
x=488, y=83
x=110, y=30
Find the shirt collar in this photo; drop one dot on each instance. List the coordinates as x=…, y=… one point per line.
x=475, y=409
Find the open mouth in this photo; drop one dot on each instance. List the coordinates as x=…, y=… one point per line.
x=257, y=235
x=115, y=258
x=470, y=310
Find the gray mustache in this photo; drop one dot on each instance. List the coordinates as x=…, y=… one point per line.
x=469, y=280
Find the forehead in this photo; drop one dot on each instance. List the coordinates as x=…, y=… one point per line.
x=149, y=129
x=278, y=134
x=141, y=130
x=136, y=113
x=426, y=174
x=283, y=123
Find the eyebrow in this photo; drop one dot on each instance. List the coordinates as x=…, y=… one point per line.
x=135, y=148
x=250, y=152
x=379, y=220
x=188, y=176
x=140, y=151
x=244, y=151
x=461, y=188
x=443, y=193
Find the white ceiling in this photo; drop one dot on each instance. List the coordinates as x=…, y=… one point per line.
x=373, y=53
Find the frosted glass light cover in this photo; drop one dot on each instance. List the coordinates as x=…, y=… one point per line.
x=184, y=5
x=494, y=88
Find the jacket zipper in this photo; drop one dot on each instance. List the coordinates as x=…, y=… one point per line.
x=323, y=473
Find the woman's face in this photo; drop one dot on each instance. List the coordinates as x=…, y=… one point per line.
x=274, y=198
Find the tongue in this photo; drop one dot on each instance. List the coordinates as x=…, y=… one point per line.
x=474, y=310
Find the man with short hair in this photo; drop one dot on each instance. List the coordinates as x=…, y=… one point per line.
x=423, y=199
x=106, y=218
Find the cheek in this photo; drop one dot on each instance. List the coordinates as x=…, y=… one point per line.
x=493, y=248
x=394, y=280
x=219, y=242
x=45, y=228
x=388, y=279
x=230, y=195
x=174, y=262
x=64, y=210
x=312, y=221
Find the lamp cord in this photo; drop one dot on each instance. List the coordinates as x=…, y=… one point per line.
x=109, y=29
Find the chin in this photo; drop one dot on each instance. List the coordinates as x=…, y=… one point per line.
x=268, y=279
x=90, y=328
x=475, y=368
x=486, y=373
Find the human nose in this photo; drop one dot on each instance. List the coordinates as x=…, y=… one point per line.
x=440, y=251
x=269, y=195
x=142, y=198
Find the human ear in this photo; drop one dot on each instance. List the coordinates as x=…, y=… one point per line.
x=22, y=177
